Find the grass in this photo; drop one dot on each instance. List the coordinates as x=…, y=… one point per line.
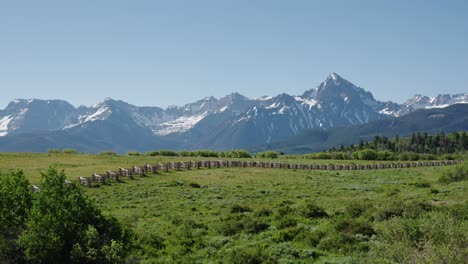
x=229, y=214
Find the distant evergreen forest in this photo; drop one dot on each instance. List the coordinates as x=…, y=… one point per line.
x=418, y=146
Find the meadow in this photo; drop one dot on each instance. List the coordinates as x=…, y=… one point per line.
x=258, y=215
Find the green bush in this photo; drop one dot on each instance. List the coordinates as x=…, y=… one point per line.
x=434, y=237
x=287, y=234
x=239, y=154
x=53, y=151
x=359, y=208
x=385, y=155
x=400, y=208
x=70, y=151
x=185, y=153
x=133, y=153
x=206, y=153
x=235, y=223
x=57, y=225
x=367, y=154
x=152, y=153
x=286, y=221
x=447, y=157
x=168, y=153
x=323, y=155
x=239, y=208
x=312, y=210
x=459, y=173
x=107, y=153
x=245, y=254
x=268, y=155
x=195, y=185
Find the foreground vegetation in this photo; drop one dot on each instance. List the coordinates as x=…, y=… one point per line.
x=256, y=215
x=56, y=225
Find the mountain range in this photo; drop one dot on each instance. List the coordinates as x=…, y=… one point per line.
x=231, y=122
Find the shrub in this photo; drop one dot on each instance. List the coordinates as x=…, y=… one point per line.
x=240, y=154
x=185, y=153
x=238, y=208
x=447, y=157
x=434, y=237
x=323, y=155
x=399, y=208
x=133, y=153
x=286, y=221
x=403, y=156
x=60, y=225
x=357, y=209
x=246, y=254
x=194, y=185
x=168, y=153
x=367, y=154
x=460, y=173
x=152, y=153
x=413, y=156
x=268, y=155
x=311, y=210
x=53, y=151
x=70, y=151
x=385, y=155
x=287, y=234
x=263, y=212
x=107, y=153
x=206, y=153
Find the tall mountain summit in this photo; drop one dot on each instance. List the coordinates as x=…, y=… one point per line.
x=233, y=121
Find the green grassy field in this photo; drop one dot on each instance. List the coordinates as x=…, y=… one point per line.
x=255, y=215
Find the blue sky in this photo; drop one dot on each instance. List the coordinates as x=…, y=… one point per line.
x=160, y=53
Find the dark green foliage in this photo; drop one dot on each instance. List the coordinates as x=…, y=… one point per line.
x=168, y=153
x=133, y=153
x=239, y=208
x=195, y=185
x=236, y=223
x=240, y=154
x=367, y=154
x=107, y=153
x=58, y=224
x=268, y=155
x=152, y=153
x=246, y=254
x=53, y=150
x=15, y=202
x=206, y=153
x=400, y=208
x=420, y=146
x=286, y=221
x=70, y=151
x=434, y=237
x=287, y=233
x=359, y=208
x=185, y=153
x=312, y=210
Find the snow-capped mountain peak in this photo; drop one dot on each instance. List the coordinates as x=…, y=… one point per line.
x=233, y=121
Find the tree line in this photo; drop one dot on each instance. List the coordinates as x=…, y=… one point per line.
x=418, y=146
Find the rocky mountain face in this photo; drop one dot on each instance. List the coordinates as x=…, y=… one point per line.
x=233, y=121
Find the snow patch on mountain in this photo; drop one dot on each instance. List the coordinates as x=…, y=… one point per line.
x=178, y=125
x=102, y=113
x=306, y=101
x=4, y=125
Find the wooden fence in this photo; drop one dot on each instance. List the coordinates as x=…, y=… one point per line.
x=189, y=165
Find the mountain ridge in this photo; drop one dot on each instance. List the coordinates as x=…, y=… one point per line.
x=232, y=121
